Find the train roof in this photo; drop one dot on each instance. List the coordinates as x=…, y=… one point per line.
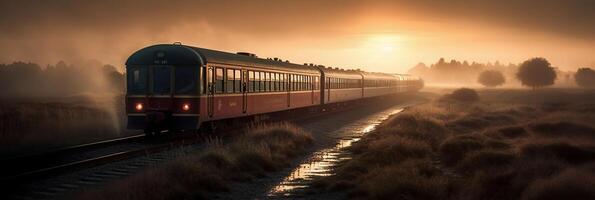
x=177, y=54
x=378, y=75
x=341, y=73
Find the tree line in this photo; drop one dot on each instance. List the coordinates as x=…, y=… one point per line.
x=26, y=79
x=535, y=72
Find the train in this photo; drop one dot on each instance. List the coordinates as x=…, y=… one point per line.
x=179, y=87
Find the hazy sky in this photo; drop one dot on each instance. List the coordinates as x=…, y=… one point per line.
x=389, y=36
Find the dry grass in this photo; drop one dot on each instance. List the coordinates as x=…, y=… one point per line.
x=511, y=147
x=261, y=149
x=32, y=125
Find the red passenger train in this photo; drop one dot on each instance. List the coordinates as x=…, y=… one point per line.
x=179, y=87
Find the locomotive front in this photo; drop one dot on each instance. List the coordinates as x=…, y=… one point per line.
x=163, y=89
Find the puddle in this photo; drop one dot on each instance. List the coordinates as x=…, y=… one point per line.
x=321, y=162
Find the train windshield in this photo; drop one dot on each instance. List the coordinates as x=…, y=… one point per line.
x=137, y=80
x=186, y=80
x=162, y=80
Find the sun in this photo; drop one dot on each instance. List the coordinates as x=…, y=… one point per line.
x=382, y=43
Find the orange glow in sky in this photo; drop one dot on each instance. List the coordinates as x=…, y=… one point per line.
x=385, y=36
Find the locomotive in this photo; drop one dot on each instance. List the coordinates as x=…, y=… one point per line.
x=180, y=87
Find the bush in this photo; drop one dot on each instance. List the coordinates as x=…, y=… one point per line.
x=485, y=159
x=562, y=129
x=491, y=78
x=536, y=72
x=511, y=132
x=571, y=184
x=463, y=95
x=454, y=149
x=585, y=77
x=563, y=151
x=409, y=180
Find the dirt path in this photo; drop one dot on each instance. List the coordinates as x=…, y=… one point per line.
x=332, y=134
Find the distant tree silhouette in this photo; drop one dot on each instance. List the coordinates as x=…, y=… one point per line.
x=29, y=79
x=491, y=78
x=536, y=72
x=459, y=71
x=585, y=77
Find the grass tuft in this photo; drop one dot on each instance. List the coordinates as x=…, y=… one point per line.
x=261, y=149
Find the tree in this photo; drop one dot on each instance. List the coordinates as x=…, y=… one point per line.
x=536, y=72
x=491, y=78
x=585, y=77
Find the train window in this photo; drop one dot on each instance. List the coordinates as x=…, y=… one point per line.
x=282, y=82
x=302, y=82
x=292, y=82
x=275, y=81
x=262, y=82
x=186, y=79
x=251, y=81
x=137, y=80
x=267, y=81
x=279, y=80
x=316, y=83
x=307, y=82
x=298, y=81
x=219, y=82
x=257, y=81
x=229, y=81
x=162, y=80
x=237, y=81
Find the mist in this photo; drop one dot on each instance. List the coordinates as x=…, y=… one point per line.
x=387, y=36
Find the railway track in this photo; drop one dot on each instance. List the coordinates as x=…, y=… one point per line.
x=57, y=173
x=23, y=166
x=25, y=176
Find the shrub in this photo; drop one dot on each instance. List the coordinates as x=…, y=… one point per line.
x=485, y=159
x=491, y=78
x=410, y=180
x=566, y=152
x=571, y=184
x=536, y=72
x=562, y=129
x=511, y=132
x=454, y=149
x=585, y=77
x=463, y=95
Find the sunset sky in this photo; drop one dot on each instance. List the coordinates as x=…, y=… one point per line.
x=386, y=36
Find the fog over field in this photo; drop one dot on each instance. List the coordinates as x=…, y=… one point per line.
x=387, y=36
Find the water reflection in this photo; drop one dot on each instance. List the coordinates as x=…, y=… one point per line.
x=322, y=162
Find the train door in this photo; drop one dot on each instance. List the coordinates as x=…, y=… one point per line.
x=244, y=90
x=210, y=90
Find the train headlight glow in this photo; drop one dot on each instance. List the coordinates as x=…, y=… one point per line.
x=139, y=107
x=186, y=107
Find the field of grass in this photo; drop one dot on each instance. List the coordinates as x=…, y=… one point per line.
x=30, y=125
x=261, y=149
x=511, y=144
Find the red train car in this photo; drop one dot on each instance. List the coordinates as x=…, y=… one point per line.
x=181, y=87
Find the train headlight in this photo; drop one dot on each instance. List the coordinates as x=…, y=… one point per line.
x=186, y=107
x=139, y=107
